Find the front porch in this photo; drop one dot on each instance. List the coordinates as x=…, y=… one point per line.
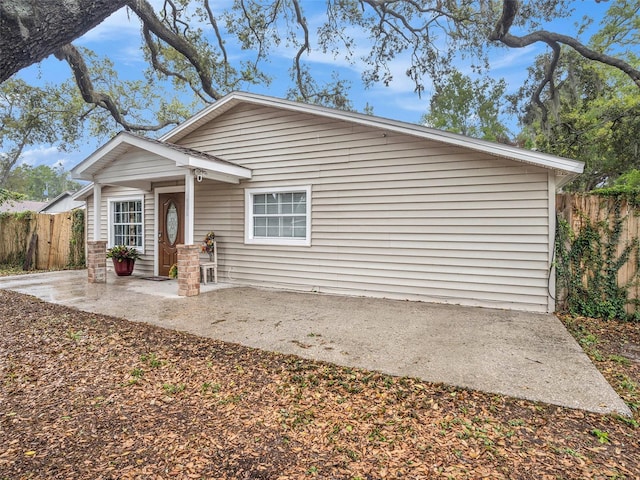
x=156, y=286
x=130, y=173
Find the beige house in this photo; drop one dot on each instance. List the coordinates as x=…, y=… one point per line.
x=313, y=199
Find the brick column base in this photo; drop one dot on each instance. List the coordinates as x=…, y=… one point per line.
x=97, y=261
x=188, y=270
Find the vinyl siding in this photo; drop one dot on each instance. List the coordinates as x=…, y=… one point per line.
x=392, y=215
x=144, y=266
x=139, y=165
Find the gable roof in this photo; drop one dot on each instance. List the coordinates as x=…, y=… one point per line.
x=564, y=166
x=182, y=156
x=66, y=198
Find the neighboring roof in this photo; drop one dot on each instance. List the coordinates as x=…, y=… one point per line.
x=84, y=192
x=182, y=156
x=562, y=165
x=17, y=206
x=52, y=206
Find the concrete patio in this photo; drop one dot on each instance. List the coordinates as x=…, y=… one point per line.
x=525, y=355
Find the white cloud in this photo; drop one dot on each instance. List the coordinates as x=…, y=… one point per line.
x=117, y=38
x=513, y=64
x=125, y=23
x=508, y=59
x=130, y=55
x=45, y=155
x=120, y=24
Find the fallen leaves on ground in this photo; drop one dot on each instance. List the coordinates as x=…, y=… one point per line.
x=88, y=396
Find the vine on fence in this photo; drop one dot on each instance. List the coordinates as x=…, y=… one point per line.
x=76, y=242
x=587, y=266
x=14, y=232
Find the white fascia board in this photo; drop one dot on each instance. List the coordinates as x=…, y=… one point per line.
x=221, y=177
x=529, y=156
x=84, y=192
x=203, y=114
x=216, y=167
x=513, y=153
x=80, y=171
x=219, y=170
x=562, y=179
x=84, y=171
x=155, y=148
x=537, y=158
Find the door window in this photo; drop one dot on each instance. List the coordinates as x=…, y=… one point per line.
x=172, y=223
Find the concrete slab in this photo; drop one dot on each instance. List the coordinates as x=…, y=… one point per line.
x=525, y=355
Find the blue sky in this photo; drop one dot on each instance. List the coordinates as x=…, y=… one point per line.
x=119, y=38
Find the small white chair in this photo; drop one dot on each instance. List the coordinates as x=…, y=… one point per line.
x=207, y=268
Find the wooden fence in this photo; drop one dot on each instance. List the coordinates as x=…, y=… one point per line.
x=605, y=214
x=42, y=241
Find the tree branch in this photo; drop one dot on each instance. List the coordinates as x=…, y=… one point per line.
x=145, y=12
x=12, y=158
x=73, y=57
x=501, y=33
x=549, y=38
x=27, y=28
x=160, y=67
x=175, y=17
x=305, y=47
x=548, y=79
x=509, y=12
x=216, y=29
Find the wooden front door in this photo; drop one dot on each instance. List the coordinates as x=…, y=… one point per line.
x=170, y=230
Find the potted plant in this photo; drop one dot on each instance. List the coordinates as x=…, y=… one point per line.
x=124, y=259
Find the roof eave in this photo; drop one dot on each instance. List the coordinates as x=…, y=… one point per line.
x=507, y=151
x=82, y=170
x=218, y=169
x=214, y=166
x=83, y=193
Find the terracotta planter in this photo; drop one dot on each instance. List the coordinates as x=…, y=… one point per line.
x=124, y=267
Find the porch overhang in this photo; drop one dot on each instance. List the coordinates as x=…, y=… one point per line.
x=179, y=159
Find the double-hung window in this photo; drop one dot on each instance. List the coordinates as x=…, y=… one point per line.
x=278, y=216
x=126, y=222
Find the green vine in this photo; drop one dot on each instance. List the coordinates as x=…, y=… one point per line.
x=20, y=224
x=630, y=194
x=587, y=266
x=626, y=186
x=76, y=242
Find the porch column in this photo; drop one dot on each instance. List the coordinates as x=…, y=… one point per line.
x=188, y=270
x=97, y=201
x=97, y=261
x=189, y=207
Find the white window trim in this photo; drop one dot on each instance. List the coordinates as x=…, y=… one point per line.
x=110, y=203
x=248, y=217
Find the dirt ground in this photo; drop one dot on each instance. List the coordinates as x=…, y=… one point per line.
x=507, y=352
x=94, y=397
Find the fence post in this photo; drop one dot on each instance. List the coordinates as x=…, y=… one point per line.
x=564, y=212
